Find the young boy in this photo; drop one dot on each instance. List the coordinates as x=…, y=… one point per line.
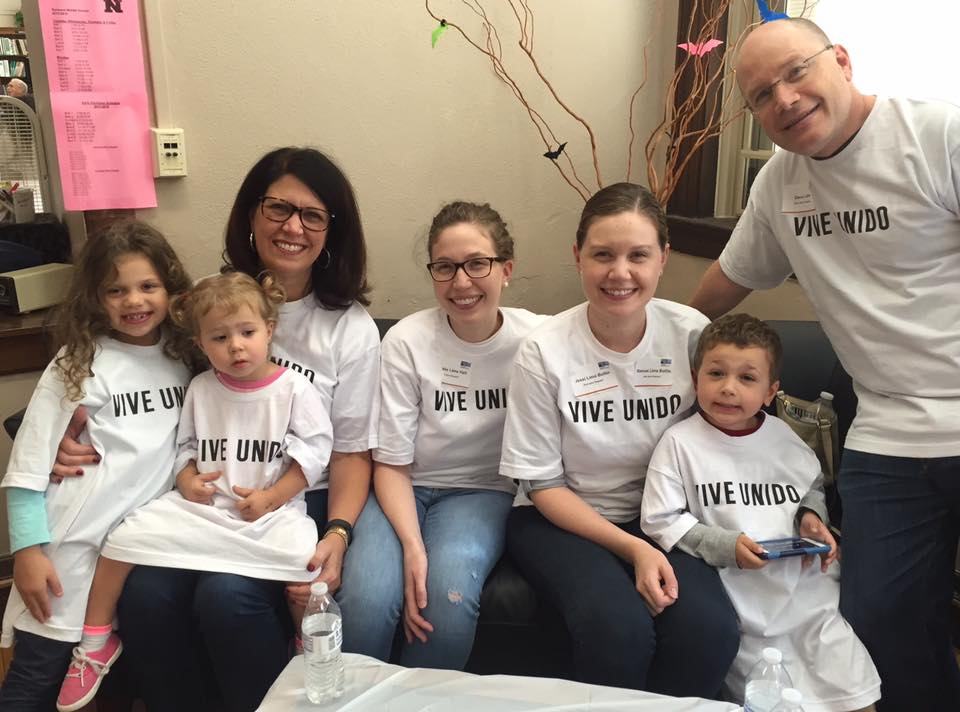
x=730, y=476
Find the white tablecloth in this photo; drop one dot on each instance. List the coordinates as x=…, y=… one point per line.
x=374, y=685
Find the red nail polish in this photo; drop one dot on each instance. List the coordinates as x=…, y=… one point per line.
x=79, y=472
x=310, y=567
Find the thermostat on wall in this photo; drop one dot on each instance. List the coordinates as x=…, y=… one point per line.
x=169, y=153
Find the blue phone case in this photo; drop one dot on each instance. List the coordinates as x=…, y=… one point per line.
x=791, y=546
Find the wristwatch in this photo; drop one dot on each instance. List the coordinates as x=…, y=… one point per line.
x=341, y=528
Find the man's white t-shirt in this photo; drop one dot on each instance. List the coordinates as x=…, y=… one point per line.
x=592, y=415
x=873, y=236
x=443, y=400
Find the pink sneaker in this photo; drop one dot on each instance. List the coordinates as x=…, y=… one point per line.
x=85, y=674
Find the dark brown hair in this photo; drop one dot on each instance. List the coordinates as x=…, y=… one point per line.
x=344, y=280
x=82, y=319
x=623, y=198
x=483, y=216
x=743, y=331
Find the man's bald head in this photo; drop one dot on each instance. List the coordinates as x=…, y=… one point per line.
x=799, y=86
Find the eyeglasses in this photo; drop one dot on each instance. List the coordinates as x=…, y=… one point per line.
x=793, y=75
x=278, y=210
x=474, y=268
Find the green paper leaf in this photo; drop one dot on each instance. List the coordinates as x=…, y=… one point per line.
x=435, y=35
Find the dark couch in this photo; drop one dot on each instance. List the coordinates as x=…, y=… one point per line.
x=518, y=632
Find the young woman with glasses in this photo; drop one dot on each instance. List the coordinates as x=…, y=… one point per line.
x=435, y=527
x=592, y=390
x=295, y=215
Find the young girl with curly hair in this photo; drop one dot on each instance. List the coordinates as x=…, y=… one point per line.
x=122, y=360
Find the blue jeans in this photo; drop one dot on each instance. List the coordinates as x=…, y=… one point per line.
x=36, y=674
x=463, y=532
x=901, y=521
x=194, y=638
x=684, y=651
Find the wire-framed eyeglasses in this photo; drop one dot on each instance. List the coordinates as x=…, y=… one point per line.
x=475, y=268
x=794, y=74
x=279, y=210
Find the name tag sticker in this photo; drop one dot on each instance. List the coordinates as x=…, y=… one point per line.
x=455, y=373
x=798, y=198
x=655, y=372
x=595, y=381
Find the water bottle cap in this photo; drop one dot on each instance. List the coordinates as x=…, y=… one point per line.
x=319, y=588
x=826, y=395
x=772, y=656
x=790, y=695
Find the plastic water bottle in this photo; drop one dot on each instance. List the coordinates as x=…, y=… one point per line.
x=790, y=700
x=828, y=412
x=766, y=681
x=322, y=634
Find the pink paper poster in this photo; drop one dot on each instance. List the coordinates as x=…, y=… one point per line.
x=98, y=95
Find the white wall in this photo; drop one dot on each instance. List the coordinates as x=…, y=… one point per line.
x=412, y=126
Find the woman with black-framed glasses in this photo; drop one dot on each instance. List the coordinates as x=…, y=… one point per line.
x=295, y=214
x=435, y=527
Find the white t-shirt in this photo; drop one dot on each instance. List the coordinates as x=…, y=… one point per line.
x=338, y=351
x=443, y=400
x=873, y=235
x=251, y=438
x=133, y=403
x=593, y=415
x=754, y=483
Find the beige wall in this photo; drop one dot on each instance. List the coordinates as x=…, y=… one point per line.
x=412, y=126
x=787, y=301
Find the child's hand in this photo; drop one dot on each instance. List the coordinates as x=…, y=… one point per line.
x=33, y=574
x=197, y=486
x=812, y=527
x=255, y=502
x=748, y=553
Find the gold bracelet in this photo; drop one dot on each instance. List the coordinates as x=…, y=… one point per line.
x=340, y=532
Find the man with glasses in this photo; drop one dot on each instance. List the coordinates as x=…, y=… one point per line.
x=863, y=206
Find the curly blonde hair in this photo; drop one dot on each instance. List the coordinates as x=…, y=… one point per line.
x=228, y=291
x=82, y=319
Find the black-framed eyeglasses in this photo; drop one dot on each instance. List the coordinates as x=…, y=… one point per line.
x=475, y=268
x=793, y=74
x=279, y=210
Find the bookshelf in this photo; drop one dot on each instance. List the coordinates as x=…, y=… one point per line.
x=14, y=57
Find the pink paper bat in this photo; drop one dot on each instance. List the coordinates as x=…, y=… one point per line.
x=698, y=50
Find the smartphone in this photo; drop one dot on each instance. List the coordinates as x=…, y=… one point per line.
x=791, y=546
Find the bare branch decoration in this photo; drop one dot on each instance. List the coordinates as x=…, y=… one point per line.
x=676, y=135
